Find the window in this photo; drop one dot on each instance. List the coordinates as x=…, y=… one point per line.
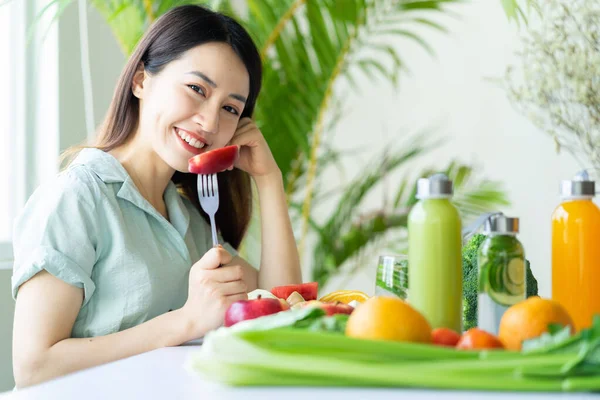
x=6, y=114
x=7, y=123
x=28, y=109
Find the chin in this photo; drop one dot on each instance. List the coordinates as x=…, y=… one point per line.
x=175, y=160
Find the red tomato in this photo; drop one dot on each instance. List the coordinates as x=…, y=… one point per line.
x=478, y=339
x=445, y=337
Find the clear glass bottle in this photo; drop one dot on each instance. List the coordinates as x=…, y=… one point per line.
x=501, y=269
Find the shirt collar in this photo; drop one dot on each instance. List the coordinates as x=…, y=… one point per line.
x=110, y=170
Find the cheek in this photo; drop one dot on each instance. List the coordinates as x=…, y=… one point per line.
x=169, y=101
x=228, y=128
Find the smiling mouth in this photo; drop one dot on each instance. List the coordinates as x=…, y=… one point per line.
x=186, y=137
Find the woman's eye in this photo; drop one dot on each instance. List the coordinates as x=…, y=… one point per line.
x=231, y=110
x=197, y=88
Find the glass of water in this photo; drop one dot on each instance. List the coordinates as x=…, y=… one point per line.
x=392, y=276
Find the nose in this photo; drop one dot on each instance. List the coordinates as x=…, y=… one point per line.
x=208, y=118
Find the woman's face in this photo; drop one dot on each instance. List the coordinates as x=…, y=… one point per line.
x=193, y=105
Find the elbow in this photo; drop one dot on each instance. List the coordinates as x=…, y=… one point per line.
x=28, y=370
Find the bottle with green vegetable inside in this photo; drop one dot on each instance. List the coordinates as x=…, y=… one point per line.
x=501, y=265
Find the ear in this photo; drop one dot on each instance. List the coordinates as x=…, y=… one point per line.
x=139, y=78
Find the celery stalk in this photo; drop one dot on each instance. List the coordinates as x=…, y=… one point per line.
x=291, y=340
x=302, y=358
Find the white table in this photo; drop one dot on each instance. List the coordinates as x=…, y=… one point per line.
x=161, y=374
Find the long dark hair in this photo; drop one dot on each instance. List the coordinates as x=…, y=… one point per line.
x=171, y=35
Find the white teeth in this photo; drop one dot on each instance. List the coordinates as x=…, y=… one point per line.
x=192, y=141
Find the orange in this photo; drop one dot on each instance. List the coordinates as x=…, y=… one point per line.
x=388, y=318
x=529, y=319
x=345, y=296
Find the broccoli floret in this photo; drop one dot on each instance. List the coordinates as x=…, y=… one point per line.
x=532, y=284
x=469, y=264
x=470, y=280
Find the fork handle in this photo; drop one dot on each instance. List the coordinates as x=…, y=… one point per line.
x=213, y=230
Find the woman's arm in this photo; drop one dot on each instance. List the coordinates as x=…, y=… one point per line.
x=279, y=264
x=47, y=307
x=45, y=312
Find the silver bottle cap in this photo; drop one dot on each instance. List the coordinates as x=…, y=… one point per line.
x=436, y=186
x=501, y=224
x=580, y=185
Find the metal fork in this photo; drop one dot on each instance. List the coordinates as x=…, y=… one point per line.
x=208, y=193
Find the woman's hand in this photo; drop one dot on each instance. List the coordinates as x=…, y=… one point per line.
x=255, y=156
x=212, y=289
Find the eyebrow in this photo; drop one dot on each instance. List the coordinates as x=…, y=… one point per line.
x=214, y=85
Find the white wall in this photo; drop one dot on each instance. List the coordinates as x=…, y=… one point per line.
x=453, y=92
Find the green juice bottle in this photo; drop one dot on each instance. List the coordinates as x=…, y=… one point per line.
x=434, y=254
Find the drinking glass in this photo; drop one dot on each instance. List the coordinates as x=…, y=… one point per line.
x=392, y=276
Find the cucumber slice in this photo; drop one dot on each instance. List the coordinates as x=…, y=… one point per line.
x=496, y=278
x=515, y=276
x=516, y=271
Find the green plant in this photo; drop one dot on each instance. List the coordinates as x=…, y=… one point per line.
x=308, y=47
x=555, y=83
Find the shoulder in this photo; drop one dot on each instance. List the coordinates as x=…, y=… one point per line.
x=72, y=191
x=80, y=181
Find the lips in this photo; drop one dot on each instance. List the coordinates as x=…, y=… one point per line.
x=191, y=138
x=190, y=141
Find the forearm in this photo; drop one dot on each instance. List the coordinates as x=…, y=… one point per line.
x=279, y=264
x=74, y=354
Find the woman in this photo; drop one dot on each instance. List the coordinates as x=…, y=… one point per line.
x=114, y=257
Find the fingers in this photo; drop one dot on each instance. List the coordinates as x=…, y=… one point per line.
x=214, y=258
x=245, y=127
x=229, y=273
x=244, y=122
x=237, y=297
x=232, y=288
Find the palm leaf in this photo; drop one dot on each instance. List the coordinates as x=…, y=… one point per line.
x=514, y=9
x=368, y=232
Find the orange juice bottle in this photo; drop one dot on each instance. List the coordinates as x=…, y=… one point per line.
x=576, y=251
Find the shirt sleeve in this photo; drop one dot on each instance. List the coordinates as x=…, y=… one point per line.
x=56, y=232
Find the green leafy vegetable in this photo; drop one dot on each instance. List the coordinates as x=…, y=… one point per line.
x=333, y=323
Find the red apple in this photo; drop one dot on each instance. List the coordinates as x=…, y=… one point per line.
x=213, y=161
x=249, y=309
